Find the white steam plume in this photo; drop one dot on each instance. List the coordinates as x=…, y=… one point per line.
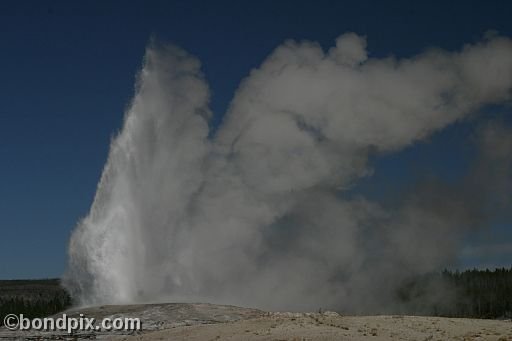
x=253, y=216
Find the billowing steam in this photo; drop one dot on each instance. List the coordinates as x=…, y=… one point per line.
x=256, y=215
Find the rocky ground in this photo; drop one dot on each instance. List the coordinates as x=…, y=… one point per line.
x=216, y=322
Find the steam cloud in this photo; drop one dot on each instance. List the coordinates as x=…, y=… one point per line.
x=254, y=215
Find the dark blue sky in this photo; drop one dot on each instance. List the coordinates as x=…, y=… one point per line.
x=68, y=71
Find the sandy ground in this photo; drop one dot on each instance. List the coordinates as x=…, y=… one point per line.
x=331, y=326
x=182, y=321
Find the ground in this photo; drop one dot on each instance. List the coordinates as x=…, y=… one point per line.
x=216, y=322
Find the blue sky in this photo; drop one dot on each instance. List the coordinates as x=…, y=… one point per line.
x=68, y=72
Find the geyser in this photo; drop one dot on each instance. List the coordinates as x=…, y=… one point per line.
x=253, y=216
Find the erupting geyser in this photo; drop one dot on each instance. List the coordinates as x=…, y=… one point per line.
x=252, y=216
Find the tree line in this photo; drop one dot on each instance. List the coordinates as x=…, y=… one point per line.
x=32, y=298
x=471, y=293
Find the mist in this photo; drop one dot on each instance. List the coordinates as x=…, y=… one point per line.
x=254, y=214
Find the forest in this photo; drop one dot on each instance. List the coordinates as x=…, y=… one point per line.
x=470, y=293
x=32, y=298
